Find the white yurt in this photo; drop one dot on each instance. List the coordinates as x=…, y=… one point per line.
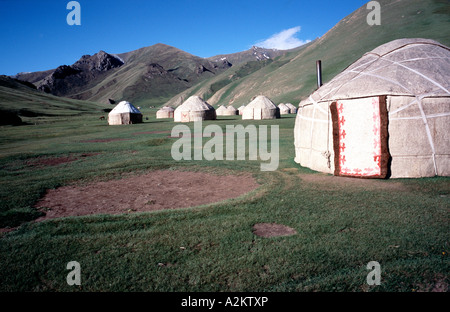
x=231, y=110
x=386, y=115
x=194, y=109
x=221, y=111
x=124, y=113
x=292, y=108
x=165, y=112
x=284, y=110
x=261, y=108
x=241, y=109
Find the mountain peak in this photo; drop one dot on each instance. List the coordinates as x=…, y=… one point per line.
x=100, y=61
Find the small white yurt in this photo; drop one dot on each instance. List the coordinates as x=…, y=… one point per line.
x=194, y=109
x=284, y=110
x=221, y=111
x=261, y=108
x=165, y=112
x=124, y=113
x=231, y=111
x=386, y=115
x=292, y=108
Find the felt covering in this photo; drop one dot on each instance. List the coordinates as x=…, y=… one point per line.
x=261, y=108
x=292, y=108
x=194, y=109
x=284, y=110
x=165, y=112
x=411, y=80
x=124, y=113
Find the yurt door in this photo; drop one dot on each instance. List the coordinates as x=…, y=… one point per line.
x=257, y=113
x=360, y=137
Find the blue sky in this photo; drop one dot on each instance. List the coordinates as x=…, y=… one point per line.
x=35, y=35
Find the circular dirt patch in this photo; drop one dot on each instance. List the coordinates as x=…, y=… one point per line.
x=156, y=190
x=54, y=161
x=272, y=230
x=49, y=161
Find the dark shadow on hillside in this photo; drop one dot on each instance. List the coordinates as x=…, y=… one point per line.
x=8, y=118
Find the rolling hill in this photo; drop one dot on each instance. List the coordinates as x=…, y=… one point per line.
x=21, y=99
x=150, y=75
x=291, y=77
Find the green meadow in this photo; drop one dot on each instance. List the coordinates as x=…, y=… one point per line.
x=341, y=226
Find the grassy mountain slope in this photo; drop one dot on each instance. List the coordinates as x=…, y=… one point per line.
x=151, y=74
x=292, y=77
x=253, y=54
x=220, y=86
x=30, y=104
x=148, y=76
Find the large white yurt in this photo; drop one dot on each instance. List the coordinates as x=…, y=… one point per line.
x=261, y=108
x=194, y=109
x=124, y=113
x=165, y=112
x=386, y=115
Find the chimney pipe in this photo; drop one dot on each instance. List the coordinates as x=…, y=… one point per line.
x=319, y=73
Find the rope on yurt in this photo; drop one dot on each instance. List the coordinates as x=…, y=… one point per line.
x=327, y=153
x=430, y=138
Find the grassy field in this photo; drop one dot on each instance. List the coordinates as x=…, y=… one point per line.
x=341, y=224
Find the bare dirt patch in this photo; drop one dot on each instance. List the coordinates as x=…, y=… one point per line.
x=438, y=284
x=49, y=161
x=272, y=230
x=156, y=190
x=7, y=230
x=54, y=161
